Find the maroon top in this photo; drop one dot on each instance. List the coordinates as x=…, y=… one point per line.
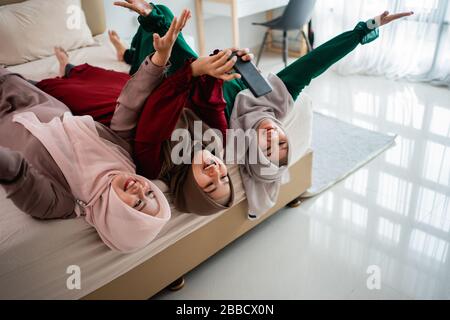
x=163, y=108
x=88, y=90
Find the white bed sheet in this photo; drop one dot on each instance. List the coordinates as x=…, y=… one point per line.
x=35, y=255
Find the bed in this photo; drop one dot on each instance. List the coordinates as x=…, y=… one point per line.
x=36, y=257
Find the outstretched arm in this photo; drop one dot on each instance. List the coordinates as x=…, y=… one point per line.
x=133, y=97
x=142, y=84
x=300, y=73
x=157, y=19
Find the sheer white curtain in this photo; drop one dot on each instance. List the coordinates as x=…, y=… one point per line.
x=417, y=48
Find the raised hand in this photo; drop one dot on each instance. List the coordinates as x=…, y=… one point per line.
x=139, y=6
x=386, y=18
x=220, y=66
x=163, y=45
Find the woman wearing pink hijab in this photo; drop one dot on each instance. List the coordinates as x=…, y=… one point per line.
x=57, y=165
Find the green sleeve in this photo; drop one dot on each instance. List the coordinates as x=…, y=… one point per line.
x=369, y=34
x=300, y=73
x=158, y=21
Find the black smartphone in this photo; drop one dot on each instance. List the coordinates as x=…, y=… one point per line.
x=254, y=80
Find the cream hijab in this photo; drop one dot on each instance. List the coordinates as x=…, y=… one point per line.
x=89, y=164
x=261, y=180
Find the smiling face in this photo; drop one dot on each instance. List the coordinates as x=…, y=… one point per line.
x=211, y=175
x=273, y=142
x=136, y=193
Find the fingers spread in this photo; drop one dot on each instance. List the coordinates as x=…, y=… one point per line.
x=186, y=17
x=172, y=27
x=180, y=21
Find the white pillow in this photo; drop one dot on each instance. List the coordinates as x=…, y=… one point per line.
x=29, y=30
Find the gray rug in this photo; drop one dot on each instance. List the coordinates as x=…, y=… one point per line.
x=340, y=149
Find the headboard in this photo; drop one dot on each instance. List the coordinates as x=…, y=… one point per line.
x=93, y=9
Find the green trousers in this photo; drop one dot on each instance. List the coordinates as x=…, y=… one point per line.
x=296, y=76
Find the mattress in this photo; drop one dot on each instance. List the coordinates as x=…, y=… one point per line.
x=36, y=257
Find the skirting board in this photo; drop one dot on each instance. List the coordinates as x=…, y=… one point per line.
x=158, y=272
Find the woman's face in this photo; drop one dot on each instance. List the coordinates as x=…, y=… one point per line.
x=273, y=141
x=211, y=175
x=136, y=193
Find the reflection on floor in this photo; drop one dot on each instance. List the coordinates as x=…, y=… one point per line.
x=392, y=217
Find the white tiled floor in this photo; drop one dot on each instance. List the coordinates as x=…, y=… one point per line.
x=393, y=214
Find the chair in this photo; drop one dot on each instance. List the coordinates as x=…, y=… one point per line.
x=295, y=16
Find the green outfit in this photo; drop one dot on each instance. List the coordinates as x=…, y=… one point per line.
x=299, y=74
x=296, y=76
x=158, y=21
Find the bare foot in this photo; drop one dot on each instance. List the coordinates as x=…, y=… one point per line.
x=115, y=40
x=63, y=58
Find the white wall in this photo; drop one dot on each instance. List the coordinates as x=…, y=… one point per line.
x=218, y=30
x=122, y=20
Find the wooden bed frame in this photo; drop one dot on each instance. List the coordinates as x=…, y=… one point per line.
x=158, y=272
x=198, y=246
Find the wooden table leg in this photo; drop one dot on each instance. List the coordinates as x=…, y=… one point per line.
x=269, y=17
x=200, y=27
x=235, y=23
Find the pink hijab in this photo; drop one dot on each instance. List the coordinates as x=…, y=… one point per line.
x=89, y=164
